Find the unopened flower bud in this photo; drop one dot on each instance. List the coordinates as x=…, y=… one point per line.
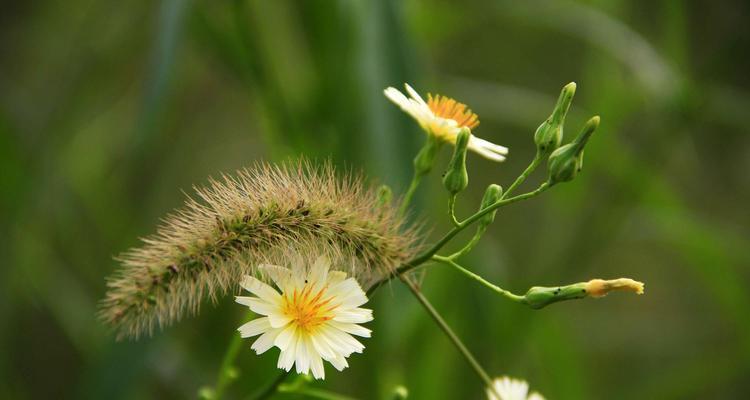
x=539, y=297
x=549, y=134
x=491, y=196
x=426, y=157
x=566, y=162
x=456, y=179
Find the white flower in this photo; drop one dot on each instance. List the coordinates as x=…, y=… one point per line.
x=311, y=320
x=512, y=389
x=443, y=118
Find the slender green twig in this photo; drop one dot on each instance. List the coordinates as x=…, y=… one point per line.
x=410, y=193
x=452, y=209
x=427, y=254
x=469, y=246
x=525, y=174
x=507, y=294
x=272, y=387
x=316, y=393
x=226, y=375
x=483, y=375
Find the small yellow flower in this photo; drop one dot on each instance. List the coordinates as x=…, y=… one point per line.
x=443, y=117
x=512, y=389
x=600, y=287
x=311, y=320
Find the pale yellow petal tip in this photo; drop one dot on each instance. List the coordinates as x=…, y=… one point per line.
x=601, y=287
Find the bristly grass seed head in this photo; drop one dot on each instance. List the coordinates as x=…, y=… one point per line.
x=266, y=214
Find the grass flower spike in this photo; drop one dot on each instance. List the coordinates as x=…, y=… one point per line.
x=443, y=117
x=311, y=320
x=512, y=389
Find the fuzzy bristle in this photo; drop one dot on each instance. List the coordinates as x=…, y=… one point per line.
x=266, y=214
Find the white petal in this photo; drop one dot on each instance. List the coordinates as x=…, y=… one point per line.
x=397, y=97
x=322, y=347
x=302, y=361
x=259, y=288
x=286, y=336
x=339, y=363
x=335, y=277
x=258, y=306
x=495, y=148
x=346, y=343
x=355, y=316
x=277, y=319
x=279, y=275
x=265, y=341
x=287, y=357
x=414, y=95
x=316, y=363
x=254, y=327
x=487, y=154
x=354, y=329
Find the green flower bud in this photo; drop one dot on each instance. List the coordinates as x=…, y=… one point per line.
x=549, y=134
x=385, y=196
x=539, y=297
x=491, y=196
x=426, y=157
x=456, y=179
x=566, y=162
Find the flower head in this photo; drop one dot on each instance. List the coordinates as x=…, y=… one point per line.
x=311, y=320
x=512, y=389
x=443, y=117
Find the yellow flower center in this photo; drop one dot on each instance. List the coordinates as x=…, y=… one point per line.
x=307, y=309
x=445, y=107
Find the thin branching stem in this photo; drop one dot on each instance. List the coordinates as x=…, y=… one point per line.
x=225, y=372
x=495, y=288
x=525, y=174
x=410, y=193
x=483, y=375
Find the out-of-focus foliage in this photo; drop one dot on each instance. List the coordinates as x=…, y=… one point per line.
x=109, y=110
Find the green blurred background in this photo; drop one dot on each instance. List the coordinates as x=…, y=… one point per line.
x=109, y=110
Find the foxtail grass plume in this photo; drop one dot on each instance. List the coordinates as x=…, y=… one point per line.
x=442, y=117
x=511, y=389
x=311, y=320
x=260, y=215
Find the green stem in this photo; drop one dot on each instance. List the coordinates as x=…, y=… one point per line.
x=507, y=294
x=452, y=209
x=483, y=375
x=226, y=375
x=525, y=174
x=410, y=193
x=272, y=387
x=427, y=254
x=315, y=393
x=469, y=246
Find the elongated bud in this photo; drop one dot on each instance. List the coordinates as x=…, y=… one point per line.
x=566, y=162
x=539, y=297
x=491, y=196
x=385, y=196
x=549, y=134
x=456, y=179
x=426, y=157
